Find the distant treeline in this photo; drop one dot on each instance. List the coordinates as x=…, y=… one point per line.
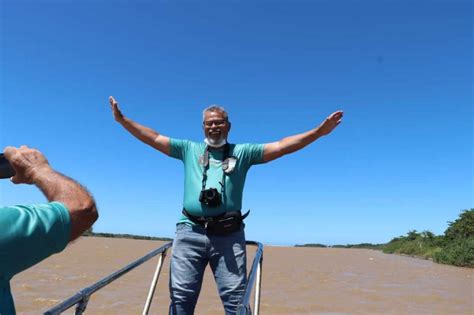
x=130, y=236
x=312, y=245
x=455, y=247
x=361, y=245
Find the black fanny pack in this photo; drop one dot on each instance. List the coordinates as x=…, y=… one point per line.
x=225, y=223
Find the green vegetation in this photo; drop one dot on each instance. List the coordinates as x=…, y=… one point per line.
x=312, y=245
x=455, y=247
x=361, y=245
x=423, y=244
x=459, y=246
x=90, y=232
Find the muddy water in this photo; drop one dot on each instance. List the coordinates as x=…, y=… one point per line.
x=295, y=281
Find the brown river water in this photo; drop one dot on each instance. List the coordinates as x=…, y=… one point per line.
x=295, y=281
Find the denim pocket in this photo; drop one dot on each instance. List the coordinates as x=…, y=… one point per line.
x=182, y=227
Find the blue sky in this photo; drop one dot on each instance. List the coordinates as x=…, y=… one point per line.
x=400, y=70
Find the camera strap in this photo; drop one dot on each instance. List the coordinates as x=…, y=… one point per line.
x=206, y=163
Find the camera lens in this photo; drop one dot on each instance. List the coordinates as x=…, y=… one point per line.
x=210, y=197
x=210, y=194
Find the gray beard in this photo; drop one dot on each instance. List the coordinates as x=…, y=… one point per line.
x=215, y=144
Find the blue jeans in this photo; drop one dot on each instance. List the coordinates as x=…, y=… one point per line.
x=193, y=249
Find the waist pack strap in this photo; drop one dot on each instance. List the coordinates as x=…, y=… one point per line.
x=195, y=219
x=205, y=220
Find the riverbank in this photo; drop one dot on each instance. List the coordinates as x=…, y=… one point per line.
x=126, y=236
x=455, y=247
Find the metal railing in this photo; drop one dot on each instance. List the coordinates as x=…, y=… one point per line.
x=254, y=274
x=81, y=298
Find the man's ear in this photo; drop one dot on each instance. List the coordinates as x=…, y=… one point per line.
x=230, y=125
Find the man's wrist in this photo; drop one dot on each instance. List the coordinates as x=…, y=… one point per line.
x=318, y=132
x=120, y=118
x=39, y=173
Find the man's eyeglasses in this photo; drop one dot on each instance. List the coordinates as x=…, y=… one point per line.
x=217, y=123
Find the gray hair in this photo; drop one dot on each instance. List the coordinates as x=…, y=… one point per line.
x=215, y=108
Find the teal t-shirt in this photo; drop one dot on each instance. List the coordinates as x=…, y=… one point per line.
x=191, y=154
x=29, y=234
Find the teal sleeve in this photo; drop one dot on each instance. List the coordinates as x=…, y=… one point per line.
x=253, y=153
x=178, y=148
x=31, y=233
x=7, y=306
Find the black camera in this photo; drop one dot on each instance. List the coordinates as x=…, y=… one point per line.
x=210, y=197
x=6, y=170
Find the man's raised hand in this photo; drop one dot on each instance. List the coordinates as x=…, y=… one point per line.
x=118, y=116
x=330, y=123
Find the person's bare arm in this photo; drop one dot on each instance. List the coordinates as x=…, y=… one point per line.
x=294, y=143
x=143, y=133
x=31, y=167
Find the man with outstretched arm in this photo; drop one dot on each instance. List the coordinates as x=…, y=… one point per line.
x=32, y=232
x=210, y=229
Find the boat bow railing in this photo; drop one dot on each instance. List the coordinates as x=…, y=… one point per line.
x=81, y=298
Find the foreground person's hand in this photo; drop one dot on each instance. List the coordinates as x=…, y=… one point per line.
x=28, y=164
